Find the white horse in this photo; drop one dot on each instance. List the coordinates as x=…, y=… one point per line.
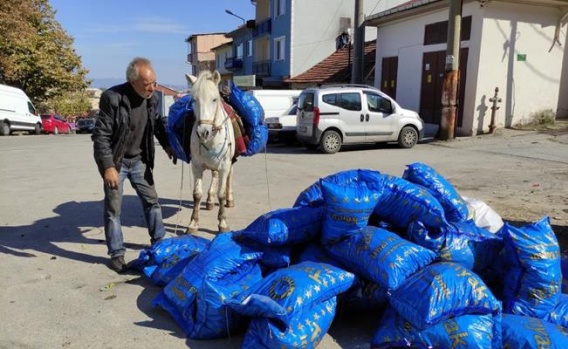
x=212, y=146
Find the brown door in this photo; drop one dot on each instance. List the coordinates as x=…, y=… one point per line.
x=433, y=68
x=388, y=76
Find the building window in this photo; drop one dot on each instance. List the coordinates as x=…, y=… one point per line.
x=437, y=33
x=279, y=48
x=280, y=9
x=240, y=51
x=249, y=48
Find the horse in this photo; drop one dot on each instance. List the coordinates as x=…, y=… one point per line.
x=212, y=146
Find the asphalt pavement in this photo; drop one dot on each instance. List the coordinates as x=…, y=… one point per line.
x=57, y=292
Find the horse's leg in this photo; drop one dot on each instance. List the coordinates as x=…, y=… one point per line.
x=197, y=194
x=222, y=194
x=210, y=203
x=230, y=199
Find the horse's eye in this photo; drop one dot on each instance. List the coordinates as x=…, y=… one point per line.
x=215, y=100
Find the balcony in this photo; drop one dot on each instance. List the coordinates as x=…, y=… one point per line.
x=262, y=28
x=261, y=68
x=233, y=63
x=189, y=58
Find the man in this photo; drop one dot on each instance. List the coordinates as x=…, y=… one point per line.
x=124, y=148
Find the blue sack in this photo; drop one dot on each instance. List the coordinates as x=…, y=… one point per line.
x=532, y=284
x=252, y=114
x=287, y=226
x=167, y=258
x=226, y=267
x=441, y=291
x=403, y=202
x=348, y=208
x=455, y=207
x=179, y=125
x=289, y=292
x=528, y=332
x=381, y=256
x=466, y=331
x=306, y=330
x=559, y=315
x=312, y=196
x=272, y=256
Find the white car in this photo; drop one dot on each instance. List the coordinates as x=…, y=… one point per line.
x=283, y=128
x=330, y=116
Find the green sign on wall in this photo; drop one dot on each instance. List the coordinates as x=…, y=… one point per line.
x=521, y=57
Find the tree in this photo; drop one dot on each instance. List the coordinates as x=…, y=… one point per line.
x=36, y=53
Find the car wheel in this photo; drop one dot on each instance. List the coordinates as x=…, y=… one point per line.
x=330, y=142
x=55, y=131
x=37, y=129
x=408, y=137
x=5, y=129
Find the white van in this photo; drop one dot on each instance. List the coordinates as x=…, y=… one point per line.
x=17, y=113
x=277, y=104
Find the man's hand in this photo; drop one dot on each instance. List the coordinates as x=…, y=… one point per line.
x=111, y=177
x=171, y=154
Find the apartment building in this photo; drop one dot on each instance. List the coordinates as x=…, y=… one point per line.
x=200, y=55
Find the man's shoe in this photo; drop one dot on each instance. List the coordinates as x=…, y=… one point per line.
x=118, y=264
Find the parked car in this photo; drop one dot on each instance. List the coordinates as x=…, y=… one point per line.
x=330, y=116
x=17, y=112
x=275, y=102
x=53, y=123
x=85, y=125
x=283, y=128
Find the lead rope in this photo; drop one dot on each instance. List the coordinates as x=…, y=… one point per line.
x=266, y=173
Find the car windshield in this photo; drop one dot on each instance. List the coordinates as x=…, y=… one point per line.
x=46, y=116
x=86, y=122
x=292, y=110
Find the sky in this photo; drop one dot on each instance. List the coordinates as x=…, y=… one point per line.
x=109, y=33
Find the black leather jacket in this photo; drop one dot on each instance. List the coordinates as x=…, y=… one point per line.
x=113, y=126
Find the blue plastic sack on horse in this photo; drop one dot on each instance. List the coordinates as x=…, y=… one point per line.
x=252, y=114
x=178, y=127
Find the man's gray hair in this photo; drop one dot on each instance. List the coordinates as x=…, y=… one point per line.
x=132, y=69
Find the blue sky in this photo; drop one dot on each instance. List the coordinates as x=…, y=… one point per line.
x=109, y=33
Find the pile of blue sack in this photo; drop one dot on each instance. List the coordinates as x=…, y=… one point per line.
x=404, y=249
x=181, y=119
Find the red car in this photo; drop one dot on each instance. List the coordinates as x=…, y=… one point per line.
x=53, y=123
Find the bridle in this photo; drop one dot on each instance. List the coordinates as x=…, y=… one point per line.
x=215, y=127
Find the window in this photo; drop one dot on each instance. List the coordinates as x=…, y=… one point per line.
x=378, y=103
x=437, y=33
x=279, y=48
x=240, y=51
x=280, y=9
x=218, y=61
x=330, y=99
x=350, y=101
x=306, y=102
x=31, y=108
x=249, y=48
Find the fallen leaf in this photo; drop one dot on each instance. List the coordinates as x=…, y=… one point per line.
x=107, y=287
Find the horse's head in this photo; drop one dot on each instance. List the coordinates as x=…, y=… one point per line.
x=207, y=106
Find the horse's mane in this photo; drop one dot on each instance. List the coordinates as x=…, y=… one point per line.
x=200, y=85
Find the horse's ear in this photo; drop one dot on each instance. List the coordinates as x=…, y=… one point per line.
x=190, y=78
x=216, y=77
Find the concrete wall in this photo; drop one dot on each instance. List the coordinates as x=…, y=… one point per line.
x=525, y=86
x=499, y=32
x=316, y=24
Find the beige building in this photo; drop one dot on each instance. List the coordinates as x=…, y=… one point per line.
x=94, y=94
x=200, y=54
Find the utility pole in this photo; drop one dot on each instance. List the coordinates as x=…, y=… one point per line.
x=358, y=43
x=452, y=74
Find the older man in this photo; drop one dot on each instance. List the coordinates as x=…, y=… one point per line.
x=123, y=141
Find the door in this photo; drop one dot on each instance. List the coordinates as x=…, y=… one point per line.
x=351, y=115
x=388, y=76
x=379, y=118
x=433, y=69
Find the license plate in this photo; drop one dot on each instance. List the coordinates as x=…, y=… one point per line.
x=303, y=129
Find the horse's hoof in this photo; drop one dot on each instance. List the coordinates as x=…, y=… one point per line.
x=223, y=229
x=191, y=231
x=209, y=206
x=230, y=204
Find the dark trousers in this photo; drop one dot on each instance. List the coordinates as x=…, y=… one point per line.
x=141, y=179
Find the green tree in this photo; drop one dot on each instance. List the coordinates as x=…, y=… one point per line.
x=36, y=53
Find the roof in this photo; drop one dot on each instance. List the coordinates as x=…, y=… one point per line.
x=336, y=68
x=418, y=7
x=228, y=43
x=204, y=34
